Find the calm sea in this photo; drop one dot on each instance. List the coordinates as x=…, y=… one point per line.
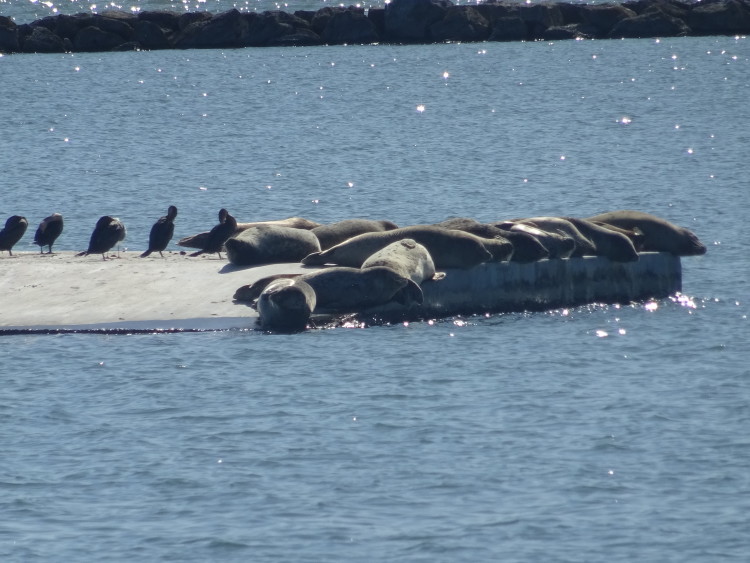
x=589, y=434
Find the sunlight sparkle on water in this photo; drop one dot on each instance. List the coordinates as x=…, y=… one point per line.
x=420, y=108
x=651, y=306
x=602, y=333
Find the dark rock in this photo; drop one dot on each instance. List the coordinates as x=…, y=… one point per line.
x=509, y=29
x=149, y=35
x=409, y=21
x=377, y=17
x=119, y=23
x=570, y=31
x=8, y=35
x=93, y=39
x=651, y=23
x=539, y=17
x=163, y=18
x=42, y=40
x=461, y=23
x=720, y=18
x=68, y=27
x=225, y=30
x=299, y=38
x=349, y=27
x=603, y=17
x=306, y=15
x=321, y=18
x=192, y=17
x=128, y=46
x=269, y=28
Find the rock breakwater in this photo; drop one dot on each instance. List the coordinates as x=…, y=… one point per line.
x=399, y=22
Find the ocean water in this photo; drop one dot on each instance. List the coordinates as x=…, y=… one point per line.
x=595, y=433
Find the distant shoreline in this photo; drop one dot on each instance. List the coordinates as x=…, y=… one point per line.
x=400, y=22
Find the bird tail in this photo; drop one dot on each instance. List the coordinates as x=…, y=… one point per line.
x=146, y=253
x=197, y=253
x=84, y=253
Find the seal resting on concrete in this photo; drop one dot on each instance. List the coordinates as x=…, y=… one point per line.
x=107, y=233
x=659, y=235
x=408, y=258
x=161, y=233
x=526, y=248
x=49, y=229
x=270, y=244
x=336, y=233
x=347, y=290
x=15, y=227
x=285, y=305
x=584, y=246
x=558, y=245
x=449, y=249
x=199, y=240
x=217, y=236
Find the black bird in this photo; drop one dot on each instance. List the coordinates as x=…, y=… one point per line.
x=107, y=233
x=219, y=234
x=48, y=231
x=14, y=229
x=161, y=233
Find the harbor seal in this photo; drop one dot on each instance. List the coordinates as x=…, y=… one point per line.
x=408, y=258
x=449, y=249
x=199, y=240
x=559, y=246
x=270, y=244
x=584, y=246
x=336, y=233
x=49, y=229
x=285, y=305
x=346, y=290
x=15, y=227
x=659, y=235
x=526, y=248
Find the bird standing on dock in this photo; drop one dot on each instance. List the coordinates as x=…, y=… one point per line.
x=161, y=233
x=107, y=233
x=219, y=234
x=48, y=231
x=15, y=227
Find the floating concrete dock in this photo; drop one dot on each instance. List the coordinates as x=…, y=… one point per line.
x=59, y=293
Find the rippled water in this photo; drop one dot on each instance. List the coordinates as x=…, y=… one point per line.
x=596, y=433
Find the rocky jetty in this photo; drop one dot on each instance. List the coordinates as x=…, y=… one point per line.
x=399, y=22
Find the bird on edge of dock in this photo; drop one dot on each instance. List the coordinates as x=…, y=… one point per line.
x=161, y=233
x=219, y=234
x=14, y=229
x=107, y=233
x=48, y=231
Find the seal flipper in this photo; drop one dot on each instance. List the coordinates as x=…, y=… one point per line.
x=409, y=295
x=314, y=259
x=252, y=291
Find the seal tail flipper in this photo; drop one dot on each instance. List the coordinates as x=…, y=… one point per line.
x=314, y=259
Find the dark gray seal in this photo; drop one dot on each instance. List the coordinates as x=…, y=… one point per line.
x=448, y=248
x=526, y=248
x=659, y=235
x=408, y=258
x=558, y=246
x=285, y=305
x=270, y=244
x=584, y=246
x=336, y=233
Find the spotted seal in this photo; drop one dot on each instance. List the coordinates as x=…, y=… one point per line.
x=659, y=235
x=285, y=305
x=408, y=258
x=336, y=233
x=270, y=244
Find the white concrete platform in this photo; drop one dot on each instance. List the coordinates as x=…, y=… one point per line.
x=62, y=292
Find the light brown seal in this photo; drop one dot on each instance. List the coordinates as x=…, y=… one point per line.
x=336, y=233
x=659, y=235
x=408, y=258
x=449, y=249
x=270, y=244
x=559, y=246
x=285, y=305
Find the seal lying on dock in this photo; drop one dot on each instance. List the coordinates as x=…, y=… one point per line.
x=449, y=249
x=659, y=235
x=336, y=233
x=558, y=245
x=285, y=305
x=408, y=258
x=270, y=244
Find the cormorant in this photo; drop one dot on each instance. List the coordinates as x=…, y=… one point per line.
x=219, y=234
x=48, y=231
x=161, y=233
x=15, y=227
x=107, y=233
